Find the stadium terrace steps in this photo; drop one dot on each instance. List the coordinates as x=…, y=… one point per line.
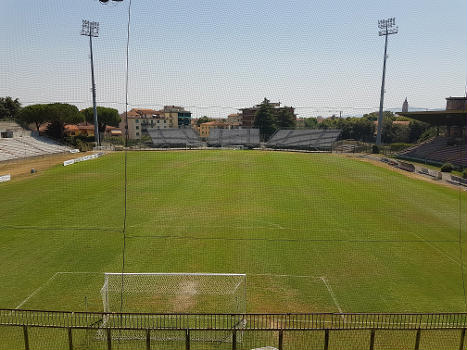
x=232, y=137
x=174, y=137
x=306, y=138
x=28, y=146
x=439, y=150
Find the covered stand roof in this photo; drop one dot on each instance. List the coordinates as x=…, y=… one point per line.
x=454, y=114
x=439, y=118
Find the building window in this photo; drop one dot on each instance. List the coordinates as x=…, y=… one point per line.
x=137, y=127
x=137, y=134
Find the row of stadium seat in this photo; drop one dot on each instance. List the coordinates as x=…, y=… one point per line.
x=28, y=146
x=439, y=150
x=232, y=137
x=320, y=139
x=174, y=137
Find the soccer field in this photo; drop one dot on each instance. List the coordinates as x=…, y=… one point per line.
x=312, y=232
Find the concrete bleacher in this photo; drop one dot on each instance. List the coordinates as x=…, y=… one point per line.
x=28, y=146
x=439, y=150
x=314, y=139
x=233, y=137
x=174, y=137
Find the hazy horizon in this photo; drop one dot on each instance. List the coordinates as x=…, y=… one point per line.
x=215, y=56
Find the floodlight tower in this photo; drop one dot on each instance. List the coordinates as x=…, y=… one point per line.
x=91, y=29
x=386, y=28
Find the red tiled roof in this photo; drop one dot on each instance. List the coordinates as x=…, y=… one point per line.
x=138, y=112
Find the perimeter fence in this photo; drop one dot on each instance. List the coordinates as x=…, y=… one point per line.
x=30, y=329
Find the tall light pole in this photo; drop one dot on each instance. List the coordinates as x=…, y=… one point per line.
x=386, y=28
x=91, y=29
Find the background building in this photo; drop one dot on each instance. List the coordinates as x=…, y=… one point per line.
x=234, y=119
x=139, y=120
x=177, y=116
x=248, y=114
x=205, y=128
x=9, y=129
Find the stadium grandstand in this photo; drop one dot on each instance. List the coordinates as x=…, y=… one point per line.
x=309, y=139
x=233, y=137
x=28, y=146
x=448, y=146
x=438, y=150
x=174, y=137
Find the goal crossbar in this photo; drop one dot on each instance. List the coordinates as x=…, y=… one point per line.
x=175, y=274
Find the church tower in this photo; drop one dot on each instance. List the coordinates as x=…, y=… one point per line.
x=405, y=106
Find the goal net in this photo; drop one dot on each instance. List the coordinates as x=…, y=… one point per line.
x=174, y=292
x=162, y=294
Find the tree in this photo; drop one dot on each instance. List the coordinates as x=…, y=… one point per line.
x=9, y=108
x=311, y=123
x=374, y=115
x=203, y=119
x=59, y=114
x=105, y=117
x=417, y=129
x=37, y=114
x=285, y=118
x=264, y=119
x=388, y=132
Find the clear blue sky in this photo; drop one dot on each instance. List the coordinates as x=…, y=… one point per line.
x=323, y=55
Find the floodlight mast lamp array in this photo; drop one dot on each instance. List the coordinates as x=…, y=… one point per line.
x=386, y=28
x=91, y=29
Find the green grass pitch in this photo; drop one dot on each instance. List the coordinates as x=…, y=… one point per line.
x=313, y=232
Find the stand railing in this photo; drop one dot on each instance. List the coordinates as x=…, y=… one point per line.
x=30, y=329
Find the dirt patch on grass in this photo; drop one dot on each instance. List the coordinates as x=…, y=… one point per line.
x=21, y=168
x=185, y=298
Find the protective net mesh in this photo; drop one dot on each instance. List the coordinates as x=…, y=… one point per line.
x=196, y=173
x=179, y=292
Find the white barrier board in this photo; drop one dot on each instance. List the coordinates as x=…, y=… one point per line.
x=5, y=178
x=82, y=159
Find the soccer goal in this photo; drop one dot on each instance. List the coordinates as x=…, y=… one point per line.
x=174, y=292
x=163, y=294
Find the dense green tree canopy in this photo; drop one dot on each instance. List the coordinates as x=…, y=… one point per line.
x=203, y=119
x=374, y=115
x=9, y=108
x=105, y=117
x=264, y=120
x=59, y=114
x=285, y=119
x=311, y=123
x=56, y=114
x=33, y=114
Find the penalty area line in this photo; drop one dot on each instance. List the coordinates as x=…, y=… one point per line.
x=37, y=290
x=277, y=275
x=331, y=292
x=48, y=281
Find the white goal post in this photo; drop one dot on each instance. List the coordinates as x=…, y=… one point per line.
x=174, y=292
x=164, y=295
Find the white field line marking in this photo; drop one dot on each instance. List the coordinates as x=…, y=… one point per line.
x=175, y=274
x=37, y=290
x=274, y=275
x=331, y=292
x=271, y=226
x=50, y=280
x=77, y=272
x=437, y=249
